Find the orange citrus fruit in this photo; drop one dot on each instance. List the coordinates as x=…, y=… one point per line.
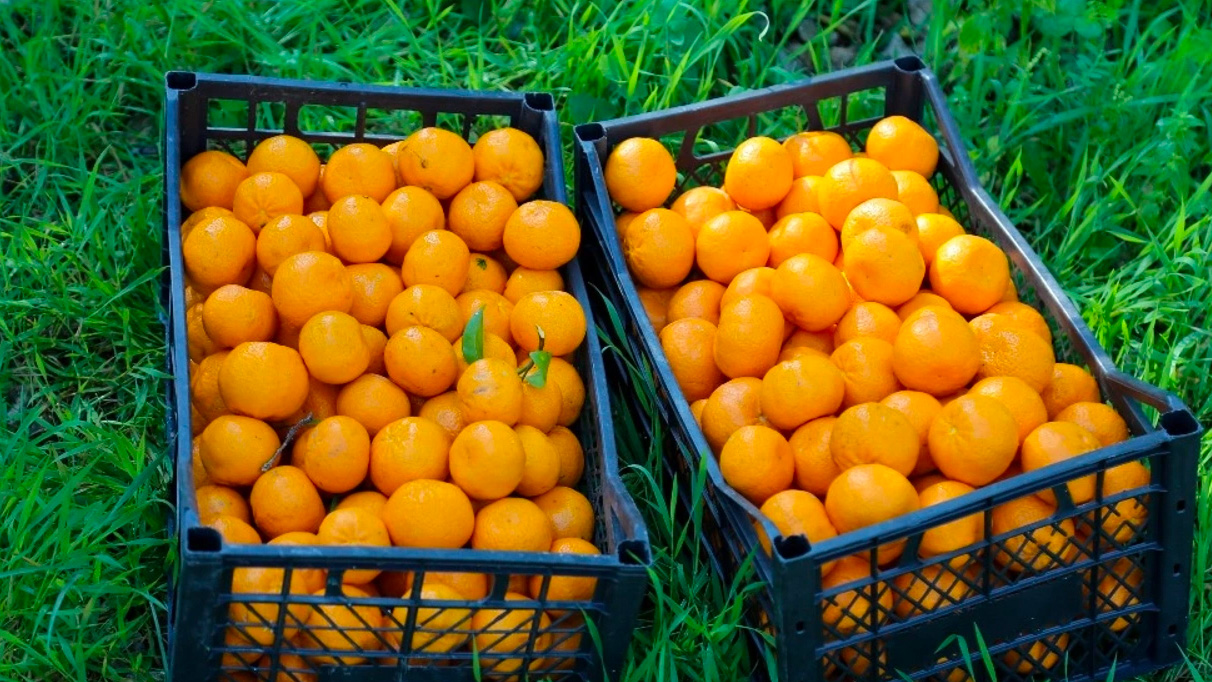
x=444, y=410
x=1069, y=384
x=659, y=248
x=485, y=272
x=868, y=494
x=1008, y=350
x=514, y=525
x=487, y=460
x=885, y=266
x=796, y=512
x=796, y=391
x=1036, y=550
x=698, y=299
x=810, y=292
x=406, y=450
x=233, y=315
x=700, y=204
x=1018, y=397
x=332, y=347
x=558, y=314
x=372, y=400
x=902, y=144
x=729, y=243
x=541, y=235
x=263, y=380
x=541, y=471
x=749, y=337
x=849, y=183
x=510, y=157
x=640, y=174
x=758, y=174
x=814, y=467
x=284, y=500
x=973, y=439
x=801, y=198
x=310, y=283
x=436, y=160
x=1099, y=419
x=572, y=389
x=953, y=535
x=815, y=152
x=219, y=251
x=437, y=257
x=1054, y=442
x=935, y=352
x=261, y=197
x=221, y=500
x=335, y=454
x=867, y=369
x=878, y=213
x=872, y=433
x=757, y=462
x=570, y=513
x=209, y=179
x=420, y=361
x=971, y=272
x=921, y=409
x=429, y=513
x=340, y=632
x=688, y=345
x=921, y=300
x=524, y=281
x=853, y=610
x=915, y=192
x=290, y=156
x=490, y=389
x=572, y=456
x=410, y=213
x=934, y=230
x=1024, y=316
x=867, y=319
x=426, y=305
x=734, y=404
x=798, y=233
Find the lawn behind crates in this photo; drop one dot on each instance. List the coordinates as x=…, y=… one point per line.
x=1090, y=121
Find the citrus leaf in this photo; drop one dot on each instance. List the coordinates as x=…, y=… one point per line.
x=541, y=360
x=473, y=337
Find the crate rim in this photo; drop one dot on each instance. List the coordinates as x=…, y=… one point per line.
x=177, y=81
x=632, y=549
x=1175, y=419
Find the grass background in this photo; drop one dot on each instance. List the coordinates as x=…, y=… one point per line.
x=1090, y=121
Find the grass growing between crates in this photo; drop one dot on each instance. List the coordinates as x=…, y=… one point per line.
x=1089, y=121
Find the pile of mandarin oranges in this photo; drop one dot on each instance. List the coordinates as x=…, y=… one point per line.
x=853, y=354
x=380, y=351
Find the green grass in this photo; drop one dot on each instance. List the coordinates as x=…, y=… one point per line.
x=1088, y=120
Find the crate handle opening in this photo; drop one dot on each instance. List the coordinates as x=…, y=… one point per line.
x=1179, y=423
x=203, y=539
x=180, y=80
x=590, y=132
x=792, y=546
x=910, y=63
x=635, y=553
x=539, y=101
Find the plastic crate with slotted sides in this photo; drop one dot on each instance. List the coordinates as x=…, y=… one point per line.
x=335, y=633
x=1094, y=587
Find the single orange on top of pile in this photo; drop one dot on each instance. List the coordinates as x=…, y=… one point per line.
x=863, y=348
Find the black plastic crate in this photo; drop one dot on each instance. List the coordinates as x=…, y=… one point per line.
x=232, y=113
x=1103, y=602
